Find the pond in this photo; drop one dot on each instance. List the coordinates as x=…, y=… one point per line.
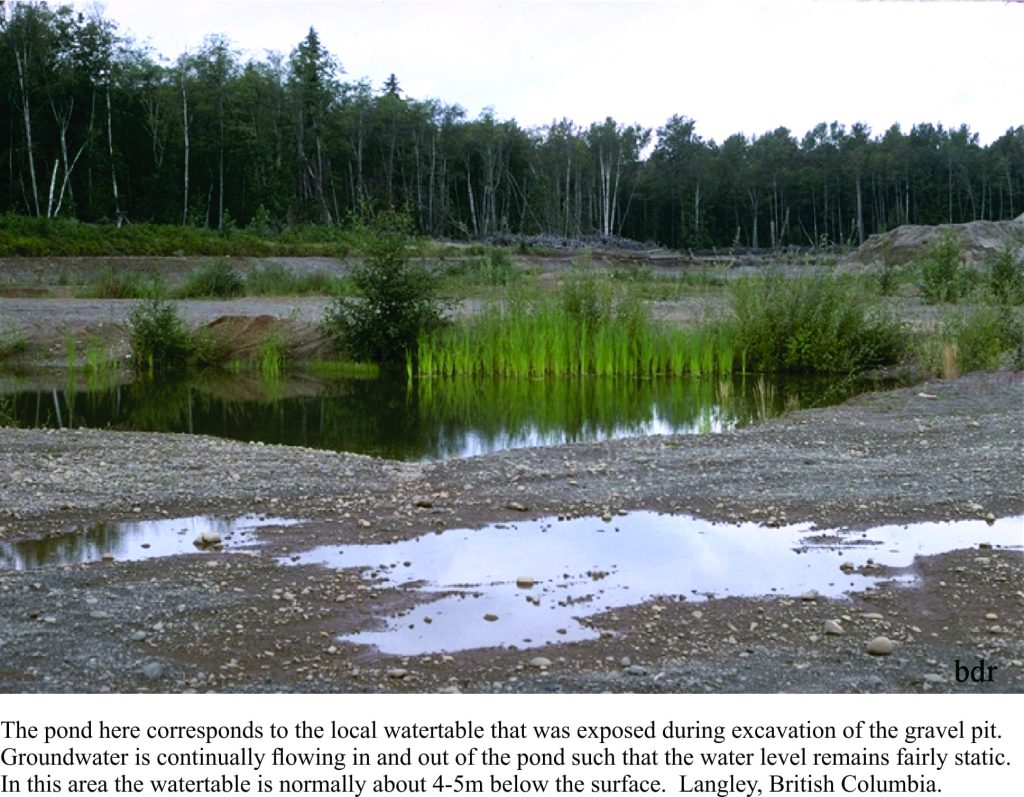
x=428, y=419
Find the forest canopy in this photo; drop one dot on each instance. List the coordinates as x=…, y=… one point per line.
x=98, y=129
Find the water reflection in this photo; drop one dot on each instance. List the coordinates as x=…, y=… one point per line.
x=133, y=541
x=424, y=419
x=539, y=579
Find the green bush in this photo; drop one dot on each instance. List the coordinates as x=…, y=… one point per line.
x=1006, y=277
x=217, y=279
x=979, y=338
x=815, y=322
x=158, y=336
x=396, y=299
x=943, y=277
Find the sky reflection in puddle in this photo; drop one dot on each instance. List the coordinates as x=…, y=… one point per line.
x=585, y=566
x=132, y=541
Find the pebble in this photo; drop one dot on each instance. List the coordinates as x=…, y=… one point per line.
x=205, y=538
x=540, y=662
x=832, y=627
x=810, y=595
x=490, y=617
x=880, y=646
x=525, y=582
x=397, y=672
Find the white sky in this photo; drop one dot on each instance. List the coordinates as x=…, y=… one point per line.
x=733, y=65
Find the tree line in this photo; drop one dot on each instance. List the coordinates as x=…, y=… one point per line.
x=99, y=129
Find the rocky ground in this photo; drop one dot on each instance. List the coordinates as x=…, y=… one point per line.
x=233, y=622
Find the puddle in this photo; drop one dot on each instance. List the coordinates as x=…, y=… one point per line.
x=132, y=541
x=585, y=566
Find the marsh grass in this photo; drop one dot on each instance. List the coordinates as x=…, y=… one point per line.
x=121, y=284
x=586, y=328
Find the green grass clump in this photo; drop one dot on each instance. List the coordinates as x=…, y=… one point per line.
x=275, y=279
x=215, y=279
x=119, y=284
x=815, y=322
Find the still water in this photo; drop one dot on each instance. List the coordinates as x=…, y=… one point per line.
x=428, y=419
x=533, y=583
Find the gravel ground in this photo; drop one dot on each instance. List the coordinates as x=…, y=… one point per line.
x=223, y=621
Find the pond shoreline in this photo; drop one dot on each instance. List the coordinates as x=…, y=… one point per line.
x=938, y=451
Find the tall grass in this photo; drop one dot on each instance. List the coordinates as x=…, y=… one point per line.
x=585, y=329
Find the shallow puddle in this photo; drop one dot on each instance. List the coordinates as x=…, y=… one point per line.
x=476, y=592
x=132, y=541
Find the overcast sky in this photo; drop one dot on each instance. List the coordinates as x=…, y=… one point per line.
x=732, y=65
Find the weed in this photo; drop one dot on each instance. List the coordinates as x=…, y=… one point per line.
x=217, y=279
x=275, y=279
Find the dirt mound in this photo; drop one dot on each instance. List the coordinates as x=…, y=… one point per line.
x=978, y=240
x=244, y=336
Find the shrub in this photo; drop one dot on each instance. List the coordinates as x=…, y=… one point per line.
x=158, y=336
x=115, y=284
x=216, y=278
x=1006, y=277
x=813, y=322
x=396, y=299
x=943, y=278
x=977, y=340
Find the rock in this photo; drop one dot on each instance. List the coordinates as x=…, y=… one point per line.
x=152, y=670
x=990, y=518
x=515, y=506
x=635, y=669
x=397, y=673
x=424, y=503
x=833, y=628
x=540, y=662
x=525, y=582
x=490, y=617
x=810, y=595
x=206, y=539
x=880, y=646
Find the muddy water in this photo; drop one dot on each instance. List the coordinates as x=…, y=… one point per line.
x=534, y=583
x=420, y=420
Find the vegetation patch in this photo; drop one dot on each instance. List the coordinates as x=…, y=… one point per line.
x=815, y=322
x=396, y=299
x=215, y=279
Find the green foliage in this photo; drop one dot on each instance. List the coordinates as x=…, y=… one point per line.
x=396, y=299
x=121, y=284
x=12, y=341
x=943, y=277
x=975, y=340
x=1006, y=277
x=275, y=279
x=159, y=339
x=811, y=323
x=215, y=279
x=585, y=329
